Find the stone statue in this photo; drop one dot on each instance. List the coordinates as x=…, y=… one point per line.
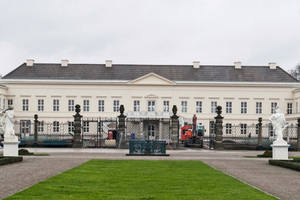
x=8, y=122
x=279, y=124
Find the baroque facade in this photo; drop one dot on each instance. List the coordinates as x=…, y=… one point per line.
x=149, y=91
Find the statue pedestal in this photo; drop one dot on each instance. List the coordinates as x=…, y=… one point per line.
x=11, y=146
x=280, y=150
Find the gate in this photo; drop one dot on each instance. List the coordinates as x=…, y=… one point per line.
x=99, y=132
x=209, y=142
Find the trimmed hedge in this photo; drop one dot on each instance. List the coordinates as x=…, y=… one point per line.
x=8, y=159
x=292, y=164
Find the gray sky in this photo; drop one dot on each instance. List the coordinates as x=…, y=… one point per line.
x=150, y=32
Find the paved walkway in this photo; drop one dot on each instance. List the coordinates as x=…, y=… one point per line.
x=280, y=182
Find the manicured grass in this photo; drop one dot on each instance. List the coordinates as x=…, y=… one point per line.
x=137, y=179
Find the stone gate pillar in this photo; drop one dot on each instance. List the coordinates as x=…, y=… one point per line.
x=77, y=128
x=219, y=129
x=122, y=118
x=175, y=128
x=298, y=135
x=260, y=147
x=35, y=130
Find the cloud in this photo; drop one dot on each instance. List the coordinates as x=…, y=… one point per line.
x=150, y=31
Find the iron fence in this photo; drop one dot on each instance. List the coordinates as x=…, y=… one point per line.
x=244, y=134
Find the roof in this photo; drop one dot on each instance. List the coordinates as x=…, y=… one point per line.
x=213, y=73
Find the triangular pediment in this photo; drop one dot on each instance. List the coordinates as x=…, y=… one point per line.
x=152, y=79
x=151, y=96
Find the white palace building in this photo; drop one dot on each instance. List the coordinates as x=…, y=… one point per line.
x=244, y=92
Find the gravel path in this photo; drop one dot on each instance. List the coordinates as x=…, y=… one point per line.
x=280, y=182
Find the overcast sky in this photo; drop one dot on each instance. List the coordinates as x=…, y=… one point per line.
x=150, y=32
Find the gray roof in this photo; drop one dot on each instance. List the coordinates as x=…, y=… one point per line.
x=131, y=72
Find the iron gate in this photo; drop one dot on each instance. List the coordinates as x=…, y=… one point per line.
x=100, y=132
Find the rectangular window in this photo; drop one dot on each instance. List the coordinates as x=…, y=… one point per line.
x=101, y=105
x=55, y=126
x=289, y=108
x=136, y=106
x=228, y=107
x=40, y=104
x=25, y=105
x=228, y=128
x=296, y=107
x=198, y=106
x=55, y=105
x=271, y=132
x=151, y=106
x=0, y=103
x=86, y=127
x=243, y=107
x=116, y=105
x=243, y=129
x=273, y=107
x=3, y=104
x=71, y=127
x=10, y=102
x=213, y=107
x=183, y=106
x=71, y=105
x=40, y=127
x=86, y=105
x=258, y=107
x=256, y=129
x=166, y=106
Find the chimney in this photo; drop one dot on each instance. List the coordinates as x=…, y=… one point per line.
x=29, y=62
x=272, y=65
x=108, y=63
x=64, y=63
x=196, y=64
x=238, y=65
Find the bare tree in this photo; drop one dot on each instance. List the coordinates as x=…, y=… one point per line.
x=295, y=72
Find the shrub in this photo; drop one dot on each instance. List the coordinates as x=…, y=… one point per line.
x=24, y=152
x=7, y=159
x=267, y=154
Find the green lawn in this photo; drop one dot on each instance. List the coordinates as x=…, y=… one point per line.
x=137, y=179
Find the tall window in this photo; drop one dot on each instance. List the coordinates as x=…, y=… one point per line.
x=198, y=106
x=55, y=105
x=40, y=127
x=258, y=107
x=25, y=105
x=55, y=126
x=101, y=105
x=10, y=102
x=116, y=106
x=136, y=106
x=183, y=106
x=289, y=108
x=228, y=128
x=40, y=104
x=228, y=107
x=71, y=127
x=151, y=106
x=256, y=129
x=71, y=105
x=273, y=107
x=86, y=105
x=296, y=107
x=243, y=107
x=243, y=129
x=3, y=104
x=86, y=127
x=213, y=107
x=151, y=130
x=271, y=132
x=166, y=106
